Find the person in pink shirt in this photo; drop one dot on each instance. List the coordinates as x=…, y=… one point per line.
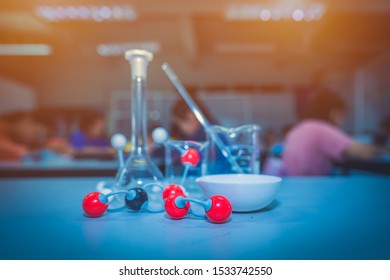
x=314, y=144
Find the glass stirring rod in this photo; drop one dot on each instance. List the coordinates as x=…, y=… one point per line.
x=201, y=117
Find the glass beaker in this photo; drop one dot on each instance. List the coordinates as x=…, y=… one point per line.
x=177, y=172
x=139, y=169
x=243, y=143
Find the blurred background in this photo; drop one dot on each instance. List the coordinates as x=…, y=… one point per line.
x=250, y=61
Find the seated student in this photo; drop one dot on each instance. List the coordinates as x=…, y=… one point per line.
x=316, y=142
x=16, y=130
x=21, y=134
x=90, y=138
x=185, y=126
x=382, y=137
x=273, y=163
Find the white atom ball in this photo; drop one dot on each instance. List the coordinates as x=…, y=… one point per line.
x=160, y=135
x=118, y=141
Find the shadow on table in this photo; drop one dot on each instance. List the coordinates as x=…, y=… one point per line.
x=273, y=205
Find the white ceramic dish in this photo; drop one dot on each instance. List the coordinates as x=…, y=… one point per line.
x=246, y=192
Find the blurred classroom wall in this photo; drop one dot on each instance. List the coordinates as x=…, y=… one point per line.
x=15, y=96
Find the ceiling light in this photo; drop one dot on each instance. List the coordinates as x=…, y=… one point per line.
x=298, y=15
x=228, y=48
x=25, y=49
x=85, y=13
x=119, y=49
x=265, y=15
x=296, y=12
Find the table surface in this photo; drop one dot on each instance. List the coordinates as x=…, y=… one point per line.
x=311, y=218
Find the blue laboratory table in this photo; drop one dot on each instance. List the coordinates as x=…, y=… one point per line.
x=311, y=218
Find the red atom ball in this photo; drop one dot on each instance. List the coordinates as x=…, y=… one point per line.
x=92, y=205
x=173, y=210
x=172, y=189
x=220, y=210
x=191, y=156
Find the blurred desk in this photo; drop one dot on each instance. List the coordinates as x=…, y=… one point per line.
x=64, y=167
x=59, y=168
x=379, y=165
x=311, y=218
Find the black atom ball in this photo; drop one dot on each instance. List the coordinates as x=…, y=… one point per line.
x=135, y=198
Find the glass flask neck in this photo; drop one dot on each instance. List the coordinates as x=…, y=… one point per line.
x=139, y=138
